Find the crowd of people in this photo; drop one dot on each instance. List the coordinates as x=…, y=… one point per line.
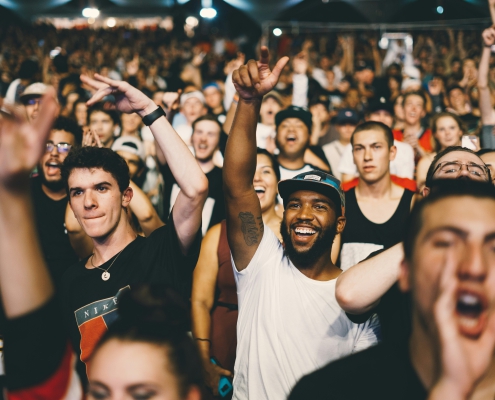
x=180, y=222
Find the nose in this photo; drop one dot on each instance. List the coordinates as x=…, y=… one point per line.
x=463, y=172
x=367, y=154
x=89, y=199
x=305, y=213
x=473, y=265
x=257, y=176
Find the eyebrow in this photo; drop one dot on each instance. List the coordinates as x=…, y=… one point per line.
x=456, y=231
x=95, y=185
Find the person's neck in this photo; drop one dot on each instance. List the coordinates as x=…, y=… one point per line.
x=321, y=270
x=130, y=133
x=207, y=165
x=218, y=110
x=376, y=190
x=422, y=354
x=291, y=161
x=344, y=142
x=109, y=144
x=270, y=215
x=54, y=194
x=412, y=129
x=107, y=247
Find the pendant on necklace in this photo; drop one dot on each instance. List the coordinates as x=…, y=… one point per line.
x=105, y=276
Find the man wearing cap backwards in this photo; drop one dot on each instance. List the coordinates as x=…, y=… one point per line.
x=346, y=121
x=214, y=100
x=289, y=322
x=402, y=166
x=31, y=98
x=192, y=105
x=132, y=151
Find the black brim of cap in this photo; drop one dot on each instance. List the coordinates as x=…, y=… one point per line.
x=289, y=186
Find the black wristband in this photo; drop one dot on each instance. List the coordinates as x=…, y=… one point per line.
x=153, y=116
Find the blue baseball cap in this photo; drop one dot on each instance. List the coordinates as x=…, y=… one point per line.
x=315, y=181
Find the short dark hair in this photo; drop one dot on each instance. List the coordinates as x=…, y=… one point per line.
x=484, y=151
x=275, y=164
x=375, y=126
x=441, y=189
x=453, y=87
x=69, y=125
x=95, y=157
x=207, y=117
x=157, y=315
x=414, y=93
x=99, y=107
x=433, y=165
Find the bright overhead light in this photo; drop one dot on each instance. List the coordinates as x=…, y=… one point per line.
x=277, y=31
x=91, y=20
x=208, y=13
x=111, y=22
x=440, y=9
x=383, y=43
x=90, y=12
x=192, y=21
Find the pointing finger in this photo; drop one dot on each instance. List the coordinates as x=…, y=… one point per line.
x=277, y=70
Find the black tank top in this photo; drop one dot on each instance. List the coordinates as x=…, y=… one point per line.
x=361, y=237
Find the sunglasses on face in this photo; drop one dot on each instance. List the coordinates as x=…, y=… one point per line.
x=32, y=101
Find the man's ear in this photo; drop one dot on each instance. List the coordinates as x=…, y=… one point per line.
x=405, y=276
x=426, y=191
x=127, y=196
x=340, y=224
x=393, y=153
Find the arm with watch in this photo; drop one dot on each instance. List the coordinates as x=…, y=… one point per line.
x=189, y=176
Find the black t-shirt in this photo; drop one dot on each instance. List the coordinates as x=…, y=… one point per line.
x=90, y=304
x=381, y=372
x=214, y=208
x=359, y=230
x=50, y=225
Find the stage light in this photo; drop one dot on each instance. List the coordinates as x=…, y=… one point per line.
x=208, y=13
x=383, y=43
x=440, y=9
x=111, y=22
x=192, y=21
x=90, y=12
x=277, y=31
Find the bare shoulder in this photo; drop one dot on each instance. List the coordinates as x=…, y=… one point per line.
x=396, y=192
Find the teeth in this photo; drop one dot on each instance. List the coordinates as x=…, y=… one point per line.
x=468, y=322
x=305, y=231
x=259, y=189
x=202, y=146
x=469, y=299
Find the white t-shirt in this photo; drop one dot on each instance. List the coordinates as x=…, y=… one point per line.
x=333, y=152
x=288, y=325
x=403, y=165
x=263, y=132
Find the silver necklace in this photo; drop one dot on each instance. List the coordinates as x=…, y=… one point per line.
x=106, y=275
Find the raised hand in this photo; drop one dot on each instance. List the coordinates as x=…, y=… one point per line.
x=171, y=100
x=128, y=99
x=91, y=139
x=488, y=36
x=255, y=79
x=464, y=360
x=22, y=143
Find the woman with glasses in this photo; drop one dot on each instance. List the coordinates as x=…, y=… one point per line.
x=447, y=129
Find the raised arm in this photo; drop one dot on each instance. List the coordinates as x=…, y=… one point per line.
x=244, y=224
x=360, y=288
x=36, y=351
x=486, y=107
x=189, y=176
x=144, y=211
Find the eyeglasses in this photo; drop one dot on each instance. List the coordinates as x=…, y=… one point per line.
x=452, y=168
x=62, y=148
x=32, y=101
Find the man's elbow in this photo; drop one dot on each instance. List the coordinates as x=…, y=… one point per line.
x=349, y=299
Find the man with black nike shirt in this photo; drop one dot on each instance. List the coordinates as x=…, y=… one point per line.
x=97, y=180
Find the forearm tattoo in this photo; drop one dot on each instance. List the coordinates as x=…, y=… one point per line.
x=249, y=228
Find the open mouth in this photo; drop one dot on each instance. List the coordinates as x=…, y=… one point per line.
x=471, y=313
x=202, y=146
x=259, y=190
x=52, y=167
x=304, y=232
x=291, y=138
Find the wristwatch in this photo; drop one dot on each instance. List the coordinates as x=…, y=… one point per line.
x=153, y=116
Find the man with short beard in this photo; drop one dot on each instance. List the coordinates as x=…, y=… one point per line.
x=289, y=321
x=50, y=198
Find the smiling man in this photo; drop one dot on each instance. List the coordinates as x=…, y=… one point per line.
x=205, y=140
x=449, y=271
x=50, y=198
x=377, y=207
x=289, y=321
x=97, y=180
